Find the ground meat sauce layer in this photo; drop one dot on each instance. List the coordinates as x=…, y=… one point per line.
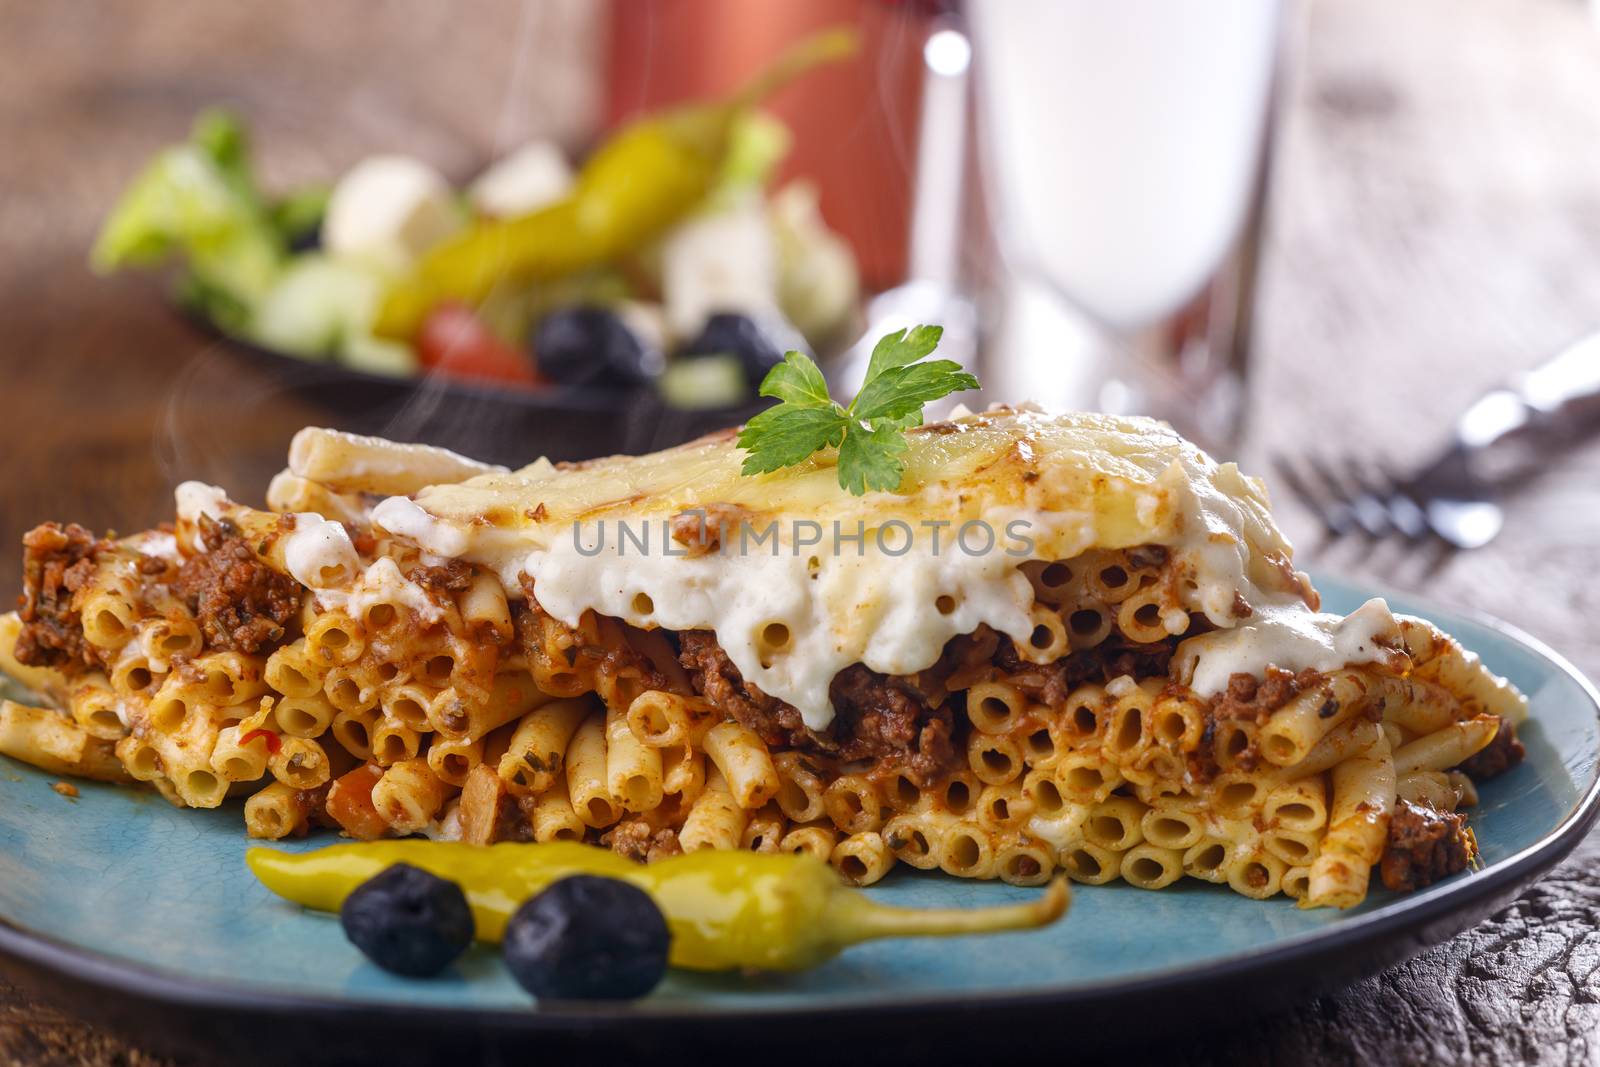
x=1251, y=699
x=906, y=722
x=1051, y=683
x=1255, y=699
x=900, y=719
x=451, y=576
x=1424, y=846
x=640, y=842
x=57, y=561
x=613, y=656
x=1498, y=756
x=240, y=602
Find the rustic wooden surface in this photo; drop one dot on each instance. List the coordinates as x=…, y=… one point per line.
x=1436, y=227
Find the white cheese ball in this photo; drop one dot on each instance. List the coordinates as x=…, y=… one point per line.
x=534, y=176
x=388, y=210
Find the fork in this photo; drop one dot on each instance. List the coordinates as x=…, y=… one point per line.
x=1455, y=496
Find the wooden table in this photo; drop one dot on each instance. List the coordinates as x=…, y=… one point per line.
x=1436, y=226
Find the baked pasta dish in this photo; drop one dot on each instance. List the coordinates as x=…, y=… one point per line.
x=1066, y=642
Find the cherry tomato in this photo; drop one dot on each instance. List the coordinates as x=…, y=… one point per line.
x=454, y=341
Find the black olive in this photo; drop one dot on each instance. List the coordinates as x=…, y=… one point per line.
x=408, y=921
x=592, y=346
x=760, y=346
x=588, y=938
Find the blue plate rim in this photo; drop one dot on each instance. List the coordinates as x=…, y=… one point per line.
x=1417, y=911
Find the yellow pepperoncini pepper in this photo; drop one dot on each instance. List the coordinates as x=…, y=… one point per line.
x=726, y=910
x=647, y=177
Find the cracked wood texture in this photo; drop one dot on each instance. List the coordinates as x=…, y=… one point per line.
x=1435, y=228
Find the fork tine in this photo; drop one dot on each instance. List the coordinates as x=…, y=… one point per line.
x=1375, y=498
x=1368, y=519
x=1335, y=519
x=1404, y=509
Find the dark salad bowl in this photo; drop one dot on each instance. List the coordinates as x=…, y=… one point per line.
x=497, y=424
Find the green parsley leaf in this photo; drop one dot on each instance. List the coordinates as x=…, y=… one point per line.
x=870, y=433
x=902, y=391
x=783, y=436
x=870, y=459
x=797, y=381
x=905, y=422
x=902, y=347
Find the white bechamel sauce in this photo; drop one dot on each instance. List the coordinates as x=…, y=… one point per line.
x=318, y=553
x=842, y=604
x=197, y=498
x=403, y=517
x=142, y=646
x=1210, y=546
x=1121, y=686
x=156, y=544
x=1061, y=830
x=502, y=551
x=320, y=556
x=447, y=827
x=381, y=582
x=874, y=609
x=1290, y=636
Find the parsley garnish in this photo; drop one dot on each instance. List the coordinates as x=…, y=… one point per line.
x=870, y=433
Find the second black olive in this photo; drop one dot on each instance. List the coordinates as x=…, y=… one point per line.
x=759, y=346
x=592, y=346
x=588, y=938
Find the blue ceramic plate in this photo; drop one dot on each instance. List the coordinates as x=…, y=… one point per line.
x=143, y=912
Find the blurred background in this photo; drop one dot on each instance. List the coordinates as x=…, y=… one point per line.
x=1340, y=241
x=1311, y=234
